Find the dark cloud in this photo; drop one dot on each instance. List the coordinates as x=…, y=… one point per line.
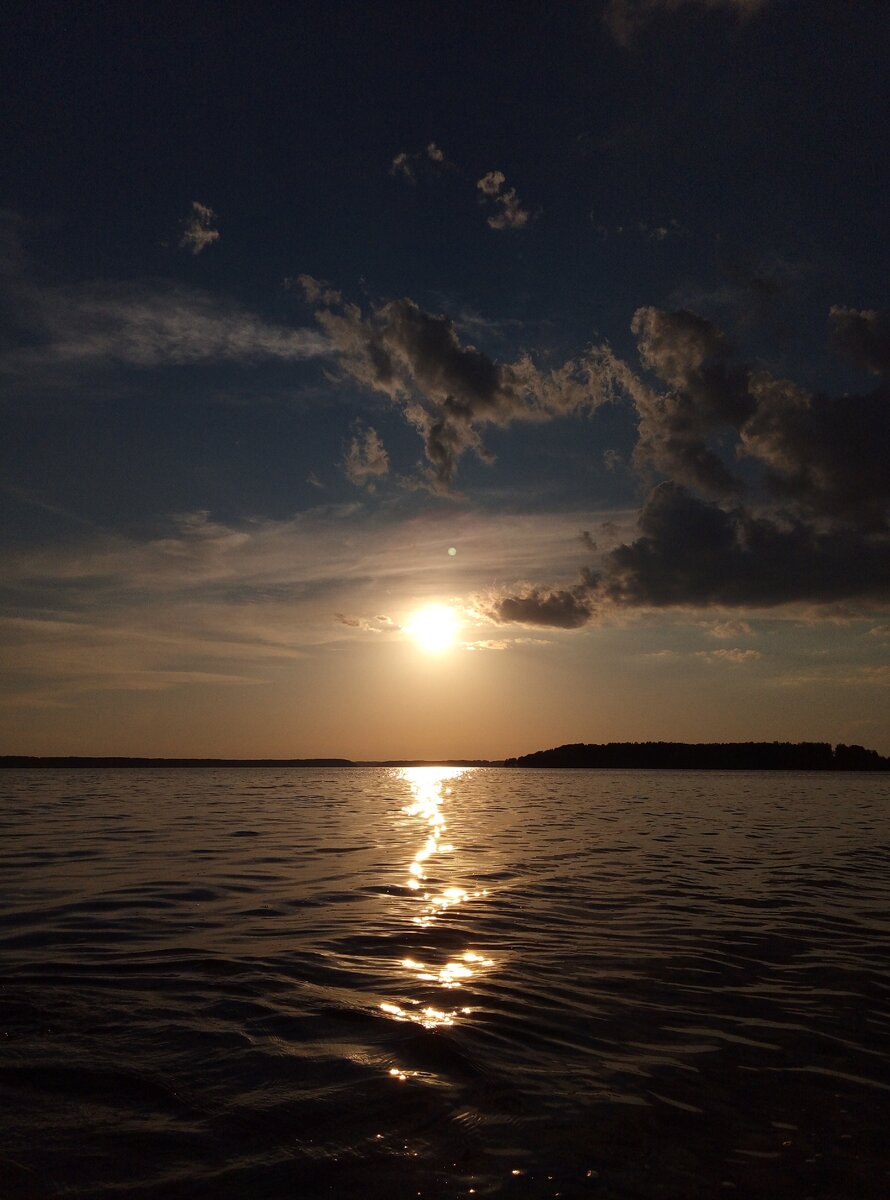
x=449, y=390
x=690, y=355
x=694, y=553
x=558, y=608
x=625, y=18
x=828, y=453
x=864, y=336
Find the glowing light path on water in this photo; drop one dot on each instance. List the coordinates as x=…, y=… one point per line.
x=430, y=790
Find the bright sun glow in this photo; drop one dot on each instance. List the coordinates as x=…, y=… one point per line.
x=433, y=628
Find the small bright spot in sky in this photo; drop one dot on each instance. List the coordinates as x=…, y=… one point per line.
x=434, y=628
x=452, y=551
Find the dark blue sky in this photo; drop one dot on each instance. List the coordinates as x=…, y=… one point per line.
x=367, y=269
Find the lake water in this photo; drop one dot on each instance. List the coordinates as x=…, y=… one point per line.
x=439, y=982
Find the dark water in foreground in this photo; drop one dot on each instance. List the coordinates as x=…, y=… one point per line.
x=394, y=983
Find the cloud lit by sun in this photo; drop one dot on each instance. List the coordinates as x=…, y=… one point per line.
x=434, y=628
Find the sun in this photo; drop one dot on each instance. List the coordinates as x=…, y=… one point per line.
x=433, y=628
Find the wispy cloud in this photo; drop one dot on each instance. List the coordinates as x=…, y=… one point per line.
x=366, y=459
x=207, y=602
x=198, y=232
x=734, y=657
x=146, y=325
x=877, y=676
x=625, y=18
x=730, y=629
x=99, y=324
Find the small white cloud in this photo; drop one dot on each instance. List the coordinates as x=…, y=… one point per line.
x=491, y=184
x=403, y=164
x=366, y=459
x=511, y=214
x=407, y=163
x=199, y=232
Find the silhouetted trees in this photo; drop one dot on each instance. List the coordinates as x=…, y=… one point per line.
x=708, y=756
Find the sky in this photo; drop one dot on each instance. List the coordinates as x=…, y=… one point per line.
x=569, y=321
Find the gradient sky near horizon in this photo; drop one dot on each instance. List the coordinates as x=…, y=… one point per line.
x=570, y=318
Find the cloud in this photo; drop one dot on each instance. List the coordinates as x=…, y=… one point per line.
x=212, y=602
x=510, y=214
x=558, y=608
x=730, y=629
x=695, y=553
x=864, y=676
x=54, y=327
x=366, y=459
x=449, y=390
x=810, y=527
x=828, y=453
x=505, y=643
x=864, y=336
x=145, y=325
x=734, y=657
x=199, y=233
x=824, y=453
x=407, y=164
x=625, y=18
x=692, y=553
x=690, y=355
x=377, y=625
x=317, y=291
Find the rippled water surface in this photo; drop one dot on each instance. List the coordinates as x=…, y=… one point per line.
x=436, y=982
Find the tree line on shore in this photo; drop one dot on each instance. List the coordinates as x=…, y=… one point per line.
x=709, y=756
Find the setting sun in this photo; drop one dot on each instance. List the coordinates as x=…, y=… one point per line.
x=433, y=628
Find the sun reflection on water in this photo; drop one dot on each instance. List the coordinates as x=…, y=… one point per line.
x=430, y=789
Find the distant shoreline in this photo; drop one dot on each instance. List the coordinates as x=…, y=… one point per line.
x=677, y=756
x=23, y=761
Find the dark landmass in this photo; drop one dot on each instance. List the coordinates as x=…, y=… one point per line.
x=680, y=756
x=24, y=760
x=709, y=756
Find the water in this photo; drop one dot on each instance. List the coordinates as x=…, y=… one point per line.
x=437, y=983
